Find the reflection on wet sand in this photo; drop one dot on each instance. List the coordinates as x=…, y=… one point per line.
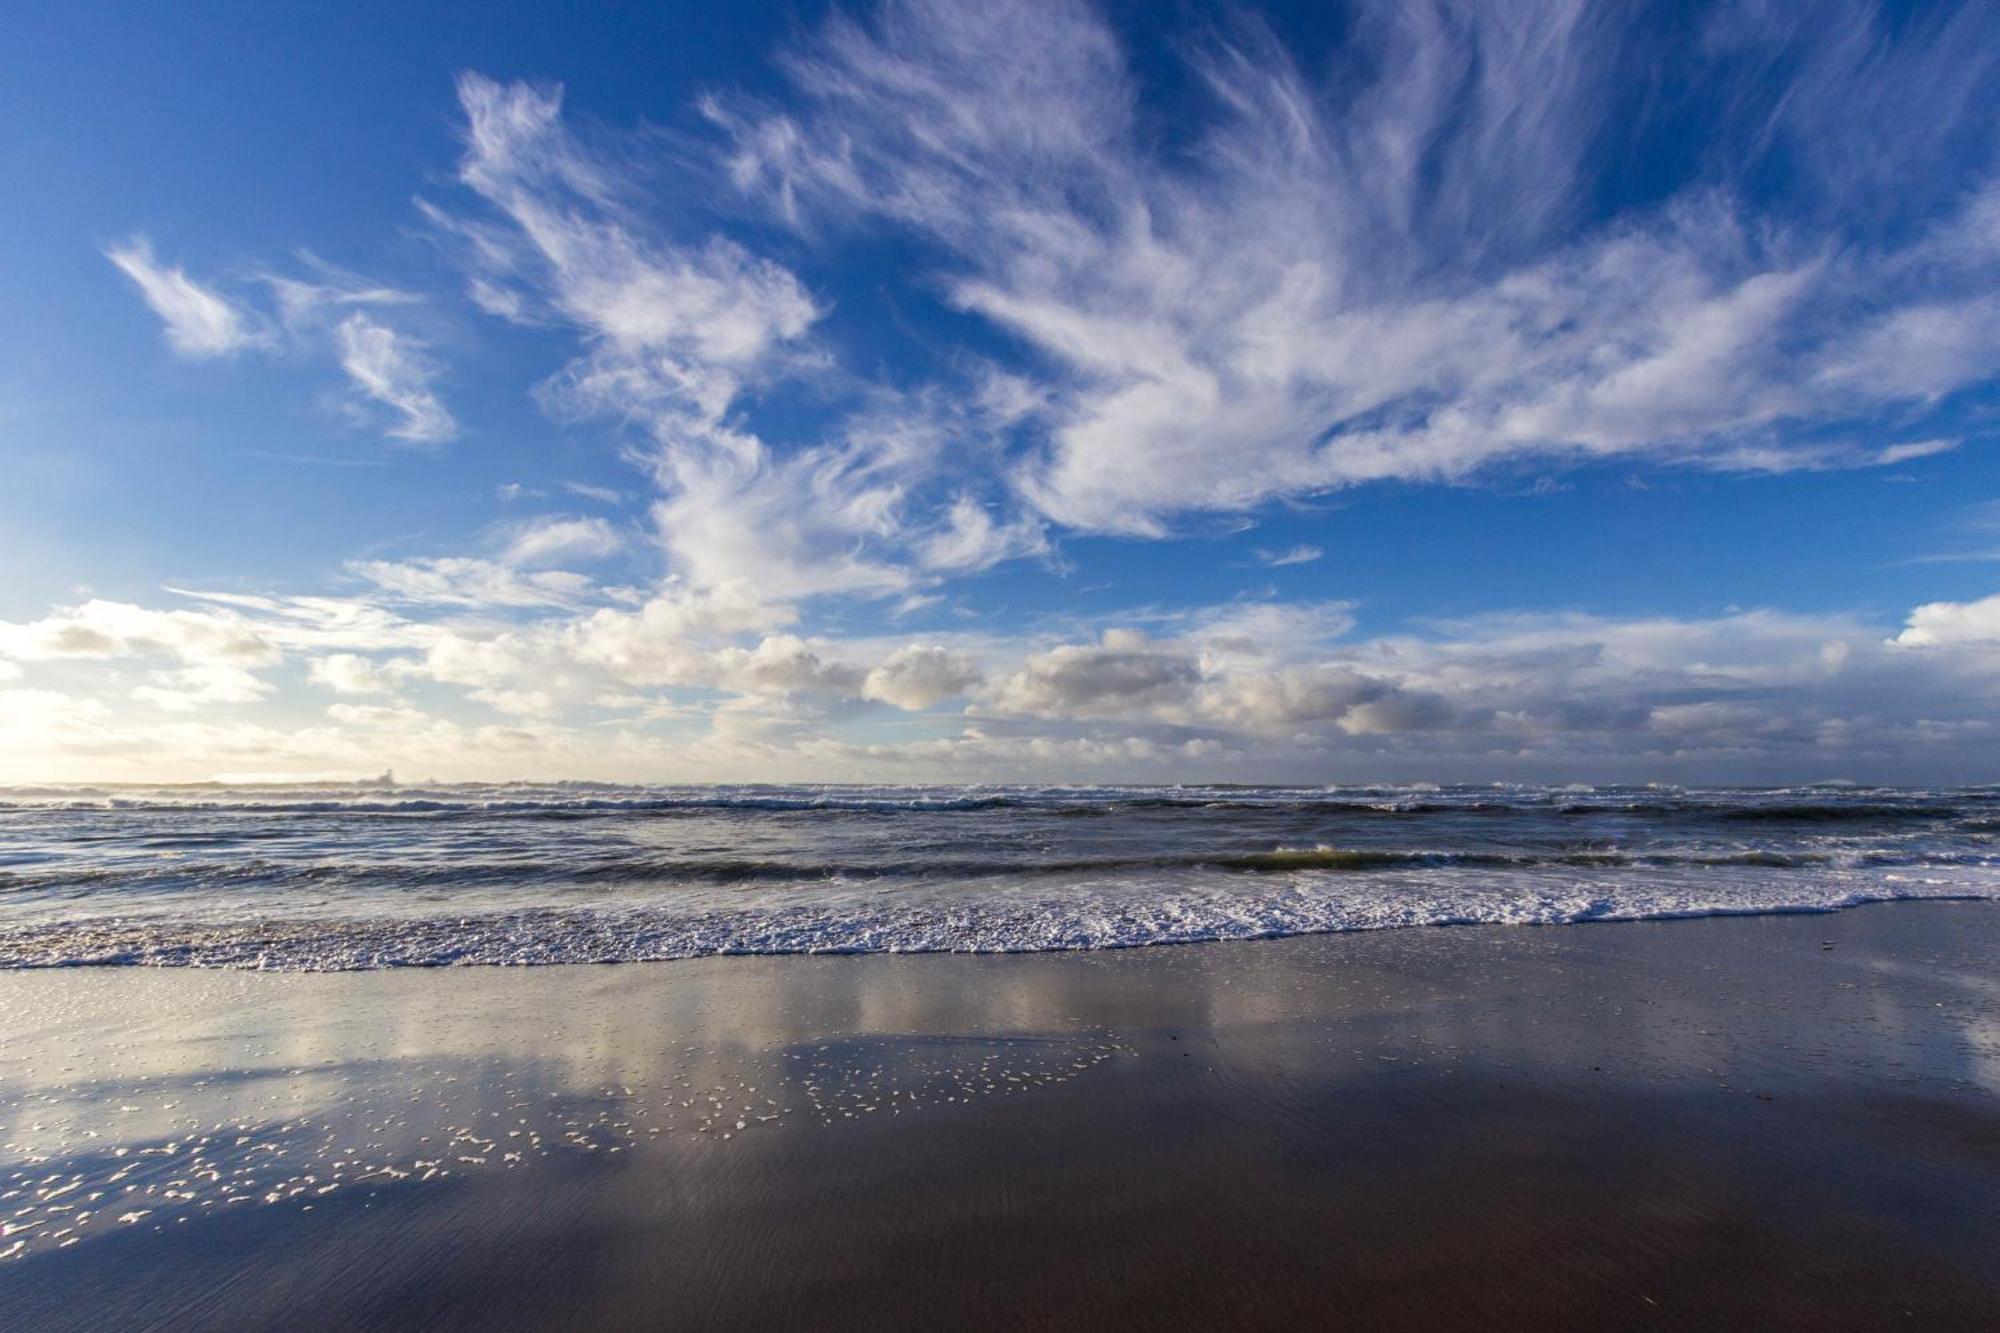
x=1504, y=1086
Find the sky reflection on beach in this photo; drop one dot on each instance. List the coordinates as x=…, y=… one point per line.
x=133, y=1098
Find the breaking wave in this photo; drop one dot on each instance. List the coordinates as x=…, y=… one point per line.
x=325, y=876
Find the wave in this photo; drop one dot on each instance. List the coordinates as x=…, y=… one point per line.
x=320, y=874
x=995, y=925
x=669, y=871
x=1732, y=807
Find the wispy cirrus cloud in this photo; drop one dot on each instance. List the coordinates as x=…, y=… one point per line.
x=1302, y=554
x=389, y=370
x=678, y=336
x=323, y=314
x=1391, y=270
x=200, y=322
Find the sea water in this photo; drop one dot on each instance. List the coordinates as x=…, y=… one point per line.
x=322, y=877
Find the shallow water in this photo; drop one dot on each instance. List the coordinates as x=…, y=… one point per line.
x=361, y=876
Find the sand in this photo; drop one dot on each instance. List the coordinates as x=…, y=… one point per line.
x=1761, y=1122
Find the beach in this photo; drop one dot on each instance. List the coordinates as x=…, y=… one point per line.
x=1770, y=1121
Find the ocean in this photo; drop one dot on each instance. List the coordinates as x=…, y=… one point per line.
x=345, y=877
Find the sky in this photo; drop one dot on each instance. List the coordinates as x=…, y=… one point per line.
x=1001, y=391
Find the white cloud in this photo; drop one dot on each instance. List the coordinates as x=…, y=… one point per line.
x=601, y=494
x=713, y=304
x=970, y=539
x=386, y=367
x=1383, y=275
x=516, y=576
x=316, y=623
x=350, y=673
x=1943, y=624
x=200, y=322
x=1388, y=267
x=44, y=728
x=105, y=629
x=679, y=338
x=1302, y=554
x=469, y=581
x=202, y=685
x=543, y=540
x=1245, y=690
x=1125, y=674
x=920, y=676
x=1915, y=449
x=382, y=364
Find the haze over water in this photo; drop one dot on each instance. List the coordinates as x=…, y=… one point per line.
x=363, y=876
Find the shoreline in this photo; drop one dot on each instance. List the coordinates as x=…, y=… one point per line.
x=455, y=943
x=1788, y=1119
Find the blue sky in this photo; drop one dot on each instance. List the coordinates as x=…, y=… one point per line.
x=1002, y=391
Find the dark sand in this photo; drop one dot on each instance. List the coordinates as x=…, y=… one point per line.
x=1698, y=1124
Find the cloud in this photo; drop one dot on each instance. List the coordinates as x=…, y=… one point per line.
x=712, y=304
x=106, y=629
x=200, y=323
x=920, y=676
x=544, y=540
x=1149, y=295
x=45, y=728
x=383, y=364
x=679, y=338
x=202, y=685
x=705, y=684
x=470, y=581
x=1302, y=554
x=517, y=575
x=386, y=367
x=1388, y=270
x=1946, y=624
x=601, y=494
x=1915, y=449
x=1125, y=673
x=350, y=673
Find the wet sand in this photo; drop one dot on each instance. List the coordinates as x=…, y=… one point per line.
x=1763, y=1122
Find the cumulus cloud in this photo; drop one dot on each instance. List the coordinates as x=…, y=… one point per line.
x=350, y=673
x=1943, y=624
x=200, y=322
x=1541, y=690
x=919, y=676
x=103, y=629
x=1124, y=673
x=1249, y=691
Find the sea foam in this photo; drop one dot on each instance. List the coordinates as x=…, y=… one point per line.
x=322, y=878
